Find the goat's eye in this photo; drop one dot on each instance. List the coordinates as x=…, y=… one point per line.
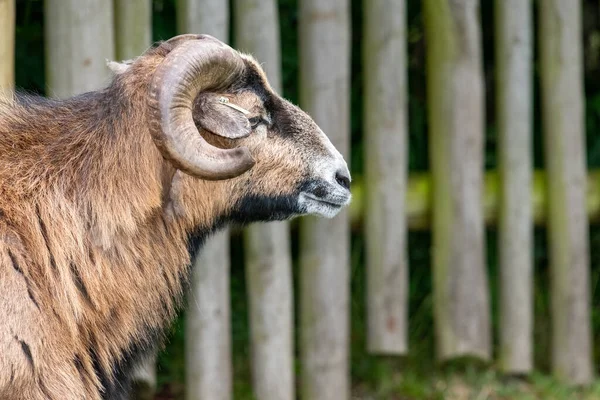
x=256, y=121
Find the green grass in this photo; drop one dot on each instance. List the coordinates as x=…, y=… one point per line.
x=472, y=384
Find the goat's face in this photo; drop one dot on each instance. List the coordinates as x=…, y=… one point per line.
x=296, y=171
x=215, y=118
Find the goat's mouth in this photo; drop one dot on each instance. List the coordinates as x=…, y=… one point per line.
x=325, y=206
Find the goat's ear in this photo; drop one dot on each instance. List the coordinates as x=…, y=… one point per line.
x=215, y=114
x=118, y=68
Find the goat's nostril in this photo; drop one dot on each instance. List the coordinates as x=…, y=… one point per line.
x=342, y=178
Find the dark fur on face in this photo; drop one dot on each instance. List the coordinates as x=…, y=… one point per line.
x=95, y=225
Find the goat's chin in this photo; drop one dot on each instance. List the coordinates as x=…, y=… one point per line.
x=258, y=208
x=313, y=205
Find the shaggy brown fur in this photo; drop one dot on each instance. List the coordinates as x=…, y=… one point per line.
x=93, y=253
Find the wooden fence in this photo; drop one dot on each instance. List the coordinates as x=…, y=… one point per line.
x=455, y=200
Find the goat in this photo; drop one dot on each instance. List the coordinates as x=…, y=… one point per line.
x=102, y=194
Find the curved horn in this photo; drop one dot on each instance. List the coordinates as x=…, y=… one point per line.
x=192, y=67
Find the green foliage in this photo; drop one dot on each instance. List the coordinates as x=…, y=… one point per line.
x=163, y=20
x=29, y=48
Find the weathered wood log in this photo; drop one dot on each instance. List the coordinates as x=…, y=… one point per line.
x=324, y=244
x=563, y=123
x=75, y=57
x=7, y=44
x=133, y=27
x=270, y=292
x=514, y=54
x=456, y=118
x=208, y=370
x=204, y=16
x=386, y=169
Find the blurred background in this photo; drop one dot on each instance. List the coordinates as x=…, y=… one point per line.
x=468, y=266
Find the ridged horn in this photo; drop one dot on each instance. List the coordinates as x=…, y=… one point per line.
x=197, y=63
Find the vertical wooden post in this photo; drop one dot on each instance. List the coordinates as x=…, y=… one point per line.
x=456, y=108
x=270, y=290
x=204, y=16
x=133, y=36
x=79, y=39
x=208, y=324
x=514, y=50
x=563, y=119
x=133, y=27
x=324, y=247
x=386, y=166
x=7, y=44
x=268, y=257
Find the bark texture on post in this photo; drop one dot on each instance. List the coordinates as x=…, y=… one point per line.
x=267, y=246
x=456, y=118
x=204, y=16
x=514, y=50
x=208, y=324
x=79, y=39
x=563, y=122
x=324, y=247
x=269, y=277
x=386, y=168
x=133, y=27
x=7, y=45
